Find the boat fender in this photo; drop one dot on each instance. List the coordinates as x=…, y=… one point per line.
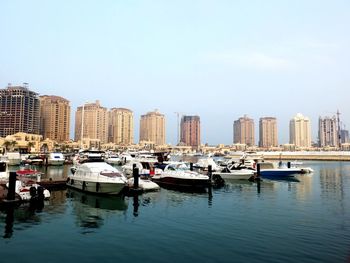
x=67, y=181
x=71, y=181
x=84, y=186
x=97, y=187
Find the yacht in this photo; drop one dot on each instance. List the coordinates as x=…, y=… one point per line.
x=14, y=158
x=4, y=170
x=55, y=159
x=179, y=175
x=97, y=177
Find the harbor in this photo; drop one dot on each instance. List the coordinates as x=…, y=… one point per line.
x=235, y=222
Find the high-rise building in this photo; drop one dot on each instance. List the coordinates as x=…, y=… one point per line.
x=344, y=136
x=94, y=120
x=19, y=110
x=191, y=131
x=300, y=131
x=54, y=118
x=328, y=131
x=268, y=132
x=121, y=126
x=152, y=127
x=243, y=130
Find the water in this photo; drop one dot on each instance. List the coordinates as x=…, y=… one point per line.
x=282, y=221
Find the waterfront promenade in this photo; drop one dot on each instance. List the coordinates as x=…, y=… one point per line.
x=310, y=156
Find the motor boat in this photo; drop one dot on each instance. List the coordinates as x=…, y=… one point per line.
x=14, y=158
x=179, y=175
x=97, y=177
x=56, y=159
x=28, y=172
x=145, y=184
x=27, y=189
x=235, y=174
x=113, y=159
x=270, y=170
x=146, y=167
x=204, y=164
x=4, y=171
x=34, y=160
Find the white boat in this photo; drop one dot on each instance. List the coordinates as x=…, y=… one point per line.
x=144, y=184
x=14, y=158
x=97, y=177
x=242, y=174
x=145, y=166
x=55, y=159
x=180, y=176
x=24, y=189
x=113, y=159
x=4, y=170
x=205, y=162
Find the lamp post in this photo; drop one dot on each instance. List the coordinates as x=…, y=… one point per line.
x=82, y=126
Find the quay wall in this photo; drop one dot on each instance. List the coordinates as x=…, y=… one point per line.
x=310, y=156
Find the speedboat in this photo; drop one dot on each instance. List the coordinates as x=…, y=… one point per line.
x=146, y=167
x=269, y=170
x=242, y=174
x=14, y=158
x=28, y=189
x=97, y=177
x=179, y=175
x=4, y=171
x=113, y=159
x=55, y=159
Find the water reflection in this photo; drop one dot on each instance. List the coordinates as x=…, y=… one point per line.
x=92, y=210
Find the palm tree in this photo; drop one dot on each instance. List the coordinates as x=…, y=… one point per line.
x=7, y=145
x=44, y=147
x=12, y=145
x=30, y=145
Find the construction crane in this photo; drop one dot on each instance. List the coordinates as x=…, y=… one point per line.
x=178, y=114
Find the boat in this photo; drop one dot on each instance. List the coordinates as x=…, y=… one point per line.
x=14, y=158
x=4, y=170
x=241, y=174
x=204, y=164
x=34, y=160
x=28, y=172
x=146, y=167
x=55, y=159
x=28, y=189
x=270, y=170
x=145, y=184
x=97, y=177
x=113, y=159
x=179, y=175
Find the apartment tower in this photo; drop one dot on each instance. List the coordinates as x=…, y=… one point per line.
x=152, y=127
x=19, y=110
x=328, y=131
x=268, y=132
x=190, y=130
x=94, y=120
x=54, y=118
x=243, y=130
x=300, y=131
x=121, y=126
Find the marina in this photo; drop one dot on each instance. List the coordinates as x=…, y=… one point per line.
x=237, y=222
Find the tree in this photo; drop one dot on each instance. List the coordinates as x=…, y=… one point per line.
x=30, y=145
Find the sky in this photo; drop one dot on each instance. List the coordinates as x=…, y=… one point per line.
x=219, y=59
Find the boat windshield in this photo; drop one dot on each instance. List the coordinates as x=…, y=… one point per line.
x=110, y=174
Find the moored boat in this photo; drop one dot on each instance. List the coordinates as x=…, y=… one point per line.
x=55, y=159
x=179, y=175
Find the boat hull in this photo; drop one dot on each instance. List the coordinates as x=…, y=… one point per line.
x=55, y=162
x=96, y=187
x=280, y=173
x=182, y=182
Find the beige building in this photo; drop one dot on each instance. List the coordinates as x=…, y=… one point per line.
x=94, y=120
x=243, y=130
x=54, y=118
x=328, y=132
x=152, y=128
x=300, y=131
x=23, y=142
x=121, y=126
x=191, y=130
x=268, y=132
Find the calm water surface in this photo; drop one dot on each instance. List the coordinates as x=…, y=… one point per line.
x=306, y=220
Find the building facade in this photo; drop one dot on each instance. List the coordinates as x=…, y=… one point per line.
x=54, y=118
x=243, y=131
x=152, y=128
x=190, y=131
x=300, y=131
x=328, y=131
x=344, y=136
x=268, y=136
x=19, y=111
x=92, y=120
x=121, y=126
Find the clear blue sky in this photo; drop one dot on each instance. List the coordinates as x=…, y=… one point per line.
x=218, y=59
